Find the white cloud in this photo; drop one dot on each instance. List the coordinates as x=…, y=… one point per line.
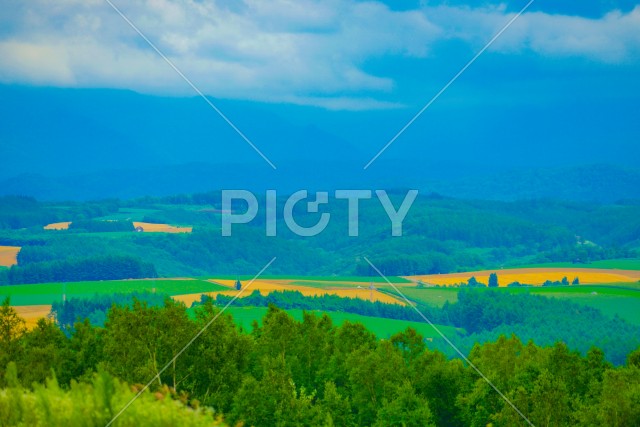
x=614, y=38
x=24, y=61
x=300, y=51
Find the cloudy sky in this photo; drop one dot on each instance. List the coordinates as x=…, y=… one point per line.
x=332, y=78
x=334, y=54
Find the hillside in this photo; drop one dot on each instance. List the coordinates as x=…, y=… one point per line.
x=440, y=235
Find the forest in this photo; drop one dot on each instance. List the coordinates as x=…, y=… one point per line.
x=440, y=235
x=289, y=372
x=481, y=316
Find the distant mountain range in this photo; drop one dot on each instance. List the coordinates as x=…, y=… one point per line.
x=92, y=143
x=597, y=183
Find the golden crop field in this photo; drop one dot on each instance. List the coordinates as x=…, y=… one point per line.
x=9, y=255
x=32, y=313
x=533, y=276
x=58, y=226
x=148, y=227
x=267, y=286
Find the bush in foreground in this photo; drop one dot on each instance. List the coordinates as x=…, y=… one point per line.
x=93, y=404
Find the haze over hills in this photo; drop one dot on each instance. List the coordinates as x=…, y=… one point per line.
x=594, y=183
x=99, y=143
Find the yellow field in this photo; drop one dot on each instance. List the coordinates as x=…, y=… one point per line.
x=31, y=313
x=9, y=255
x=534, y=276
x=267, y=286
x=148, y=227
x=58, y=226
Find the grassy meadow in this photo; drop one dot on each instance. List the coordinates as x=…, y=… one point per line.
x=382, y=328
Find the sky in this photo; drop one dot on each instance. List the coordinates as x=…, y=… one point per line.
x=564, y=70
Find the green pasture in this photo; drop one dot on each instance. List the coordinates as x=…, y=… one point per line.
x=382, y=328
x=316, y=281
x=47, y=293
x=622, y=299
x=618, y=264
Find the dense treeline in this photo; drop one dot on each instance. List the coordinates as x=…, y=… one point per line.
x=314, y=373
x=18, y=212
x=101, y=226
x=295, y=300
x=67, y=313
x=21, y=212
x=426, y=263
x=481, y=315
x=102, y=267
x=487, y=314
x=584, y=253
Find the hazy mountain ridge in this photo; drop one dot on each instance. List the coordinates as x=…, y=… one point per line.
x=98, y=143
x=594, y=183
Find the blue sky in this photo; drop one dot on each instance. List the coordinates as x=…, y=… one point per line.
x=564, y=71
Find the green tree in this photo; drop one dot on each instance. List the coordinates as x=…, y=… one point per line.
x=46, y=350
x=407, y=409
x=493, y=280
x=140, y=340
x=336, y=407
x=12, y=330
x=373, y=376
x=220, y=359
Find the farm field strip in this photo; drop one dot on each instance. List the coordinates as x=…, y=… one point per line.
x=183, y=289
x=534, y=276
x=266, y=286
x=32, y=313
x=34, y=300
x=611, y=300
x=58, y=226
x=619, y=264
x=147, y=227
x=321, y=280
x=9, y=255
x=49, y=292
x=161, y=228
x=244, y=316
x=382, y=328
x=622, y=298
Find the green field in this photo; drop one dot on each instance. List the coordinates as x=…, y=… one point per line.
x=434, y=297
x=621, y=299
x=49, y=292
x=382, y=328
x=611, y=300
x=317, y=279
x=618, y=264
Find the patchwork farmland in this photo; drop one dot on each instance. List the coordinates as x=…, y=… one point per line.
x=146, y=227
x=533, y=276
x=9, y=255
x=615, y=292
